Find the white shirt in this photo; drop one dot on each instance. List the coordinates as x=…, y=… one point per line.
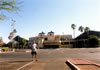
x=34, y=47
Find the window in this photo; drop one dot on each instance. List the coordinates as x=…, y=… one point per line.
x=65, y=43
x=71, y=42
x=46, y=38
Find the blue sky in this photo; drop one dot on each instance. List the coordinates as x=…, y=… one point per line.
x=56, y=15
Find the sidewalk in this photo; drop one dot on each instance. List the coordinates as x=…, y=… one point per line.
x=16, y=50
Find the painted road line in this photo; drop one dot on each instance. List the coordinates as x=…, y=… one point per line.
x=25, y=65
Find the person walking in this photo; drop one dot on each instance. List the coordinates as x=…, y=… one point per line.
x=34, y=51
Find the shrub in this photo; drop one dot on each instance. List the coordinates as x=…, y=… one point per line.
x=93, y=41
x=5, y=49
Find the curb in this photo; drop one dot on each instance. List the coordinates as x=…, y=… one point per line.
x=72, y=66
x=8, y=52
x=27, y=51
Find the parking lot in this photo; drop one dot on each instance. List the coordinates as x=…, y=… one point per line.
x=48, y=59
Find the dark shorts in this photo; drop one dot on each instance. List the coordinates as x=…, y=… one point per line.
x=33, y=53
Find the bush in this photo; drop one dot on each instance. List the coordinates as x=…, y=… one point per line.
x=93, y=41
x=5, y=49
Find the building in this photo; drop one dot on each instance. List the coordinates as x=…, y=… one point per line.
x=51, y=40
x=82, y=40
x=18, y=42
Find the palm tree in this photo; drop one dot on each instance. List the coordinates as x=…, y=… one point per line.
x=81, y=28
x=14, y=30
x=73, y=26
x=86, y=29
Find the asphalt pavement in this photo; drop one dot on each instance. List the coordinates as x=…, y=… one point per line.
x=48, y=59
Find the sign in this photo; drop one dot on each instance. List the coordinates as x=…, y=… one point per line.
x=1, y=42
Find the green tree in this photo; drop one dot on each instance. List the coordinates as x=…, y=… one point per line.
x=81, y=28
x=23, y=42
x=73, y=26
x=93, y=41
x=8, y=6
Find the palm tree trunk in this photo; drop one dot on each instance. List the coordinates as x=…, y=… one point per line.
x=74, y=33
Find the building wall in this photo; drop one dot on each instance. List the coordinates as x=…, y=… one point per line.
x=52, y=40
x=67, y=44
